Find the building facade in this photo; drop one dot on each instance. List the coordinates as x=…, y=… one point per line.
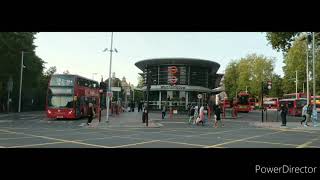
x=177, y=82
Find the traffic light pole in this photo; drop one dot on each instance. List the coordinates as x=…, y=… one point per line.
x=148, y=90
x=147, y=114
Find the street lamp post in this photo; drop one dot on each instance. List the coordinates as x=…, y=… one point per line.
x=296, y=84
x=308, y=98
x=109, y=85
x=314, y=112
x=21, y=74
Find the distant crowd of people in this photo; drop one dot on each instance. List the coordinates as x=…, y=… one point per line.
x=201, y=115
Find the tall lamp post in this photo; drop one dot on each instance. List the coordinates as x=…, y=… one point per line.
x=21, y=75
x=308, y=98
x=314, y=111
x=109, y=86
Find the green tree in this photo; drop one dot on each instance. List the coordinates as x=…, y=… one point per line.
x=293, y=44
x=281, y=40
x=231, y=79
x=11, y=46
x=248, y=73
x=277, y=89
x=295, y=60
x=140, y=82
x=262, y=70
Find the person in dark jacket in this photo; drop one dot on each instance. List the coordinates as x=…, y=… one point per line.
x=132, y=106
x=191, y=114
x=284, y=112
x=140, y=106
x=163, y=112
x=218, y=117
x=90, y=113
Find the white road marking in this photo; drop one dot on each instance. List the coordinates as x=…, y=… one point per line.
x=243, y=139
x=134, y=144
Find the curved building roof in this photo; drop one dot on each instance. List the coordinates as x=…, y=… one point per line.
x=179, y=61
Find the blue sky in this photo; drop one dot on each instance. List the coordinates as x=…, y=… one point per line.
x=81, y=52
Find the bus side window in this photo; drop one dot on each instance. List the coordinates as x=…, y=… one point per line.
x=82, y=102
x=86, y=84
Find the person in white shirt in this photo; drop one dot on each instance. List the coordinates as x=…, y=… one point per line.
x=304, y=114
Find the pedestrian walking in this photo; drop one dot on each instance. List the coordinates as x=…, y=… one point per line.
x=304, y=115
x=191, y=114
x=284, y=112
x=140, y=106
x=196, y=114
x=163, y=111
x=132, y=106
x=206, y=114
x=218, y=117
x=91, y=113
x=200, y=119
x=309, y=113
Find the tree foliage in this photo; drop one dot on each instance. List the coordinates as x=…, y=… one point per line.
x=11, y=46
x=294, y=45
x=281, y=40
x=140, y=82
x=247, y=74
x=295, y=60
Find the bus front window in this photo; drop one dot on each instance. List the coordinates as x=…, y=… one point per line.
x=60, y=101
x=62, y=80
x=243, y=100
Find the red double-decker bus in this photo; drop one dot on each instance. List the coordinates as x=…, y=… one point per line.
x=243, y=104
x=68, y=96
x=295, y=95
x=294, y=105
x=271, y=103
x=252, y=103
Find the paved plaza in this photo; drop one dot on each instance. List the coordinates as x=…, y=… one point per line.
x=34, y=130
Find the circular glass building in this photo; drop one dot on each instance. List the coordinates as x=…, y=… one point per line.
x=177, y=82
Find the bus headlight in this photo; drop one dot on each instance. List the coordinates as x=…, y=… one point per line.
x=49, y=112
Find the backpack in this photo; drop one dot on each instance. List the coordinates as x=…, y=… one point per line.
x=309, y=110
x=192, y=112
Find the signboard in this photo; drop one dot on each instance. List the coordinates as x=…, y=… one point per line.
x=117, y=89
x=199, y=96
x=173, y=87
x=172, y=75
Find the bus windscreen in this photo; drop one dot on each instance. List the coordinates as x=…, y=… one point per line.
x=62, y=80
